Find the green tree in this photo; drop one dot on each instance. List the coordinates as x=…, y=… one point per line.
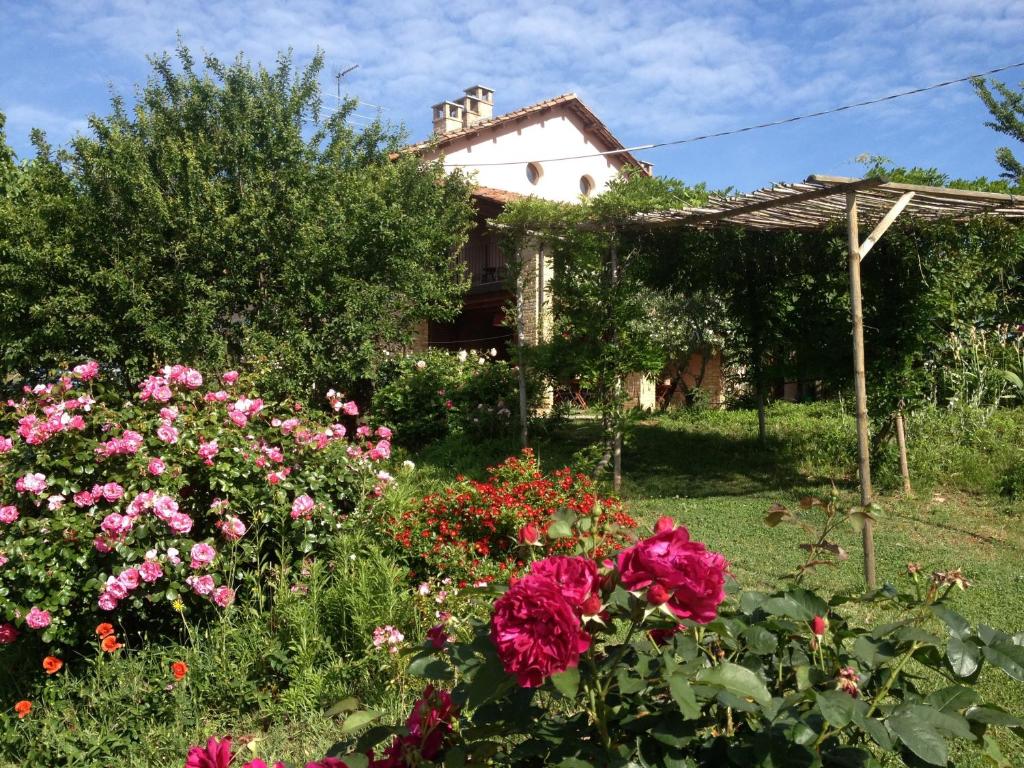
x=1007, y=108
x=228, y=217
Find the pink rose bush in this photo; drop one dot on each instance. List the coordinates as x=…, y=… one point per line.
x=135, y=500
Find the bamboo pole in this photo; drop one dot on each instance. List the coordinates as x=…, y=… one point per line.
x=901, y=441
x=524, y=416
x=860, y=383
x=617, y=426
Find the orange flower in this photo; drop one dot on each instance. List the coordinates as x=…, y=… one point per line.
x=104, y=629
x=52, y=665
x=23, y=708
x=110, y=644
x=179, y=669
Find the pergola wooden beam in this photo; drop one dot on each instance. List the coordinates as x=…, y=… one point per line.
x=815, y=204
x=884, y=224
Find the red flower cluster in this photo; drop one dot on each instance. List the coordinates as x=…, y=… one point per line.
x=429, y=726
x=475, y=530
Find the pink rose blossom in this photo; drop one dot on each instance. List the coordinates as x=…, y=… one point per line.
x=8, y=633
x=202, y=555
x=350, y=408
x=207, y=451
x=37, y=619
x=116, y=589
x=156, y=466
x=83, y=499
x=232, y=528
x=8, y=514
x=536, y=631
x=575, y=576
x=150, y=571
x=665, y=523
x=216, y=754
x=112, y=492
x=238, y=418
x=201, y=585
x=5, y=444
x=223, y=596
x=229, y=377
x=164, y=507
x=169, y=412
x=129, y=578
x=116, y=525
x=693, y=576
x=180, y=523
x=55, y=502
x=384, y=433
x=363, y=430
x=302, y=507
x=167, y=433
x=107, y=602
x=33, y=483
x=87, y=371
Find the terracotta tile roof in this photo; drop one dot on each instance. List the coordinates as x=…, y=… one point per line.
x=590, y=122
x=496, y=195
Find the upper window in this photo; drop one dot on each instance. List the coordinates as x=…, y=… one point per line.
x=586, y=185
x=533, y=172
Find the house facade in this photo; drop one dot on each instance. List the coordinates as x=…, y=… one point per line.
x=552, y=150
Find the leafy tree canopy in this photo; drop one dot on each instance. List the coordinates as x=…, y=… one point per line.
x=227, y=217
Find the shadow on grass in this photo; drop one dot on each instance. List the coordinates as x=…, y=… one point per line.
x=661, y=458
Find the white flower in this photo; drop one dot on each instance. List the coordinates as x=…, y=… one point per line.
x=421, y=364
x=462, y=355
x=481, y=361
x=409, y=465
x=493, y=352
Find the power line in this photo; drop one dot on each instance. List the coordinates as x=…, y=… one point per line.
x=734, y=131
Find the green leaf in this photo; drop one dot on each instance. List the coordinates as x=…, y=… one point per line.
x=430, y=668
x=345, y=705
x=964, y=657
x=993, y=715
x=359, y=719
x=567, y=683
x=759, y=640
x=629, y=684
x=919, y=737
x=559, y=530
x=683, y=695
x=575, y=762
x=1008, y=657
x=958, y=625
x=836, y=707
x=737, y=680
x=952, y=698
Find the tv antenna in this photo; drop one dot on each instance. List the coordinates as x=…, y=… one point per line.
x=340, y=74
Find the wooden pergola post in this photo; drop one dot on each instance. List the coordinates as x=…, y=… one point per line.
x=860, y=386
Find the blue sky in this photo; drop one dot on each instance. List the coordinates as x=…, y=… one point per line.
x=652, y=71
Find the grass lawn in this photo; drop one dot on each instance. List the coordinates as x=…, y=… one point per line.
x=709, y=472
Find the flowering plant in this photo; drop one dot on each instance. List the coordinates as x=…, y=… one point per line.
x=429, y=395
x=643, y=660
x=475, y=531
x=127, y=508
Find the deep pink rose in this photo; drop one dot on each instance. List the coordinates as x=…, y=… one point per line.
x=37, y=619
x=536, y=631
x=575, y=576
x=694, y=576
x=8, y=633
x=216, y=754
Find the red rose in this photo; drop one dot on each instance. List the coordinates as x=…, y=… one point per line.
x=529, y=534
x=536, y=631
x=665, y=523
x=591, y=606
x=575, y=576
x=657, y=594
x=694, y=576
x=819, y=626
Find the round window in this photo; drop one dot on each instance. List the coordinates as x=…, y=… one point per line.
x=533, y=172
x=586, y=186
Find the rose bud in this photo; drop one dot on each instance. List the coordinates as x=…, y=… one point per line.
x=657, y=594
x=819, y=626
x=529, y=534
x=591, y=606
x=665, y=523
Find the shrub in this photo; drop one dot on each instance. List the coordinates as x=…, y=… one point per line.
x=475, y=530
x=437, y=393
x=130, y=510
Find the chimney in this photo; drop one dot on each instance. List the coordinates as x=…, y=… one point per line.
x=478, y=104
x=448, y=116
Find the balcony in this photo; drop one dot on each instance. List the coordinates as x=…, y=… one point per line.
x=485, y=263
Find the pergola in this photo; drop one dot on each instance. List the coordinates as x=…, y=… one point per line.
x=815, y=204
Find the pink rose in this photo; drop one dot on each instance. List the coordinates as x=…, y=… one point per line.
x=6, y=444
x=201, y=585
x=116, y=525
x=33, y=483
x=223, y=596
x=167, y=433
x=202, y=555
x=112, y=492
x=536, y=631
x=694, y=577
x=229, y=377
x=169, y=412
x=150, y=571
x=238, y=418
x=207, y=451
x=37, y=619
x=83, y=499
x=302, y=507
x=665, y=523
x=87, y=371
x=156, y=466
x=164, y=507
x=384, y=433
x=129, y=578
x=363, y=430
x=107, y=602
x=575, y=576
x=180, y=523
x=8, y=633
x=350, y=408
x=232, y=528
x=8, y=514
